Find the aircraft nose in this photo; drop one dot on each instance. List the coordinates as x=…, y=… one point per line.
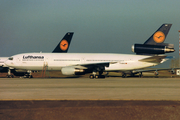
x=6, y=62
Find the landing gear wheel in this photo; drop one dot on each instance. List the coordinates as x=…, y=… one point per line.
x=124, y=75
x=97, y=76
x=10, y=76
x=91, y=76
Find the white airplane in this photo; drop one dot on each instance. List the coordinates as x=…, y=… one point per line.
x=82, y=63
x=62, y=47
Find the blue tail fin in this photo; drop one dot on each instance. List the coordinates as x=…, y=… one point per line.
x=160, y=35
x=64, y=44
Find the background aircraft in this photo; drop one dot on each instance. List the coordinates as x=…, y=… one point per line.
x=62, y=47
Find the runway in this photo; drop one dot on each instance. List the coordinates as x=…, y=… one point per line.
x=92, y=99
x=90, y=89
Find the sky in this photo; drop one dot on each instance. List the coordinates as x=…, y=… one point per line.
x=99, y=26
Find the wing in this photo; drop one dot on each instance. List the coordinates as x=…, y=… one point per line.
x=154, y=69
x=149, y=70
x=151, y=59
x=156, y=59
x=93, y=65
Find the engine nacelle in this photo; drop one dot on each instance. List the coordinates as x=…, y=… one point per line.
x=72, y=71
x=152, y=49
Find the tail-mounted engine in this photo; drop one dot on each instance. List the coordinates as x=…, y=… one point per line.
x=152, y=49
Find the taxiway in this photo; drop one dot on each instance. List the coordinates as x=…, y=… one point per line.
x=90, y=89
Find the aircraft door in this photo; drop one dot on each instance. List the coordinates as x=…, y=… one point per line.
x=45, y=66
x=46, y=62
x=82, y=60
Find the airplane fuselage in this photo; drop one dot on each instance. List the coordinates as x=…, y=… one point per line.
x=56, y=61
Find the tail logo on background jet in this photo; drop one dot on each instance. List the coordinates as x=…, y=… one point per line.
x=64, y=45
x=159, y=37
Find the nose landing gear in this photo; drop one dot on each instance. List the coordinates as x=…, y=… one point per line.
x=9, y=74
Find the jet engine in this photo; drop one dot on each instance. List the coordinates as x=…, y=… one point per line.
x=72, y=71
x=152, y=49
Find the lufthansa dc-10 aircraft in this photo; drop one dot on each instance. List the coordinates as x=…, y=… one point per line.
x=148, y=54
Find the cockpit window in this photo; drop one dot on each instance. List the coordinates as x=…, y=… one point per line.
x=11, y=58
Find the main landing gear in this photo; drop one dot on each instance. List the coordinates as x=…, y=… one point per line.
x=28, y=74
x=94, y=75
x=124, y=75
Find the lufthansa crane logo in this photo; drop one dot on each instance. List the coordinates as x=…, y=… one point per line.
x=64, y=45
x=159, y=37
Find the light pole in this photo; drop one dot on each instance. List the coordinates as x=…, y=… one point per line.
x=179, y=49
